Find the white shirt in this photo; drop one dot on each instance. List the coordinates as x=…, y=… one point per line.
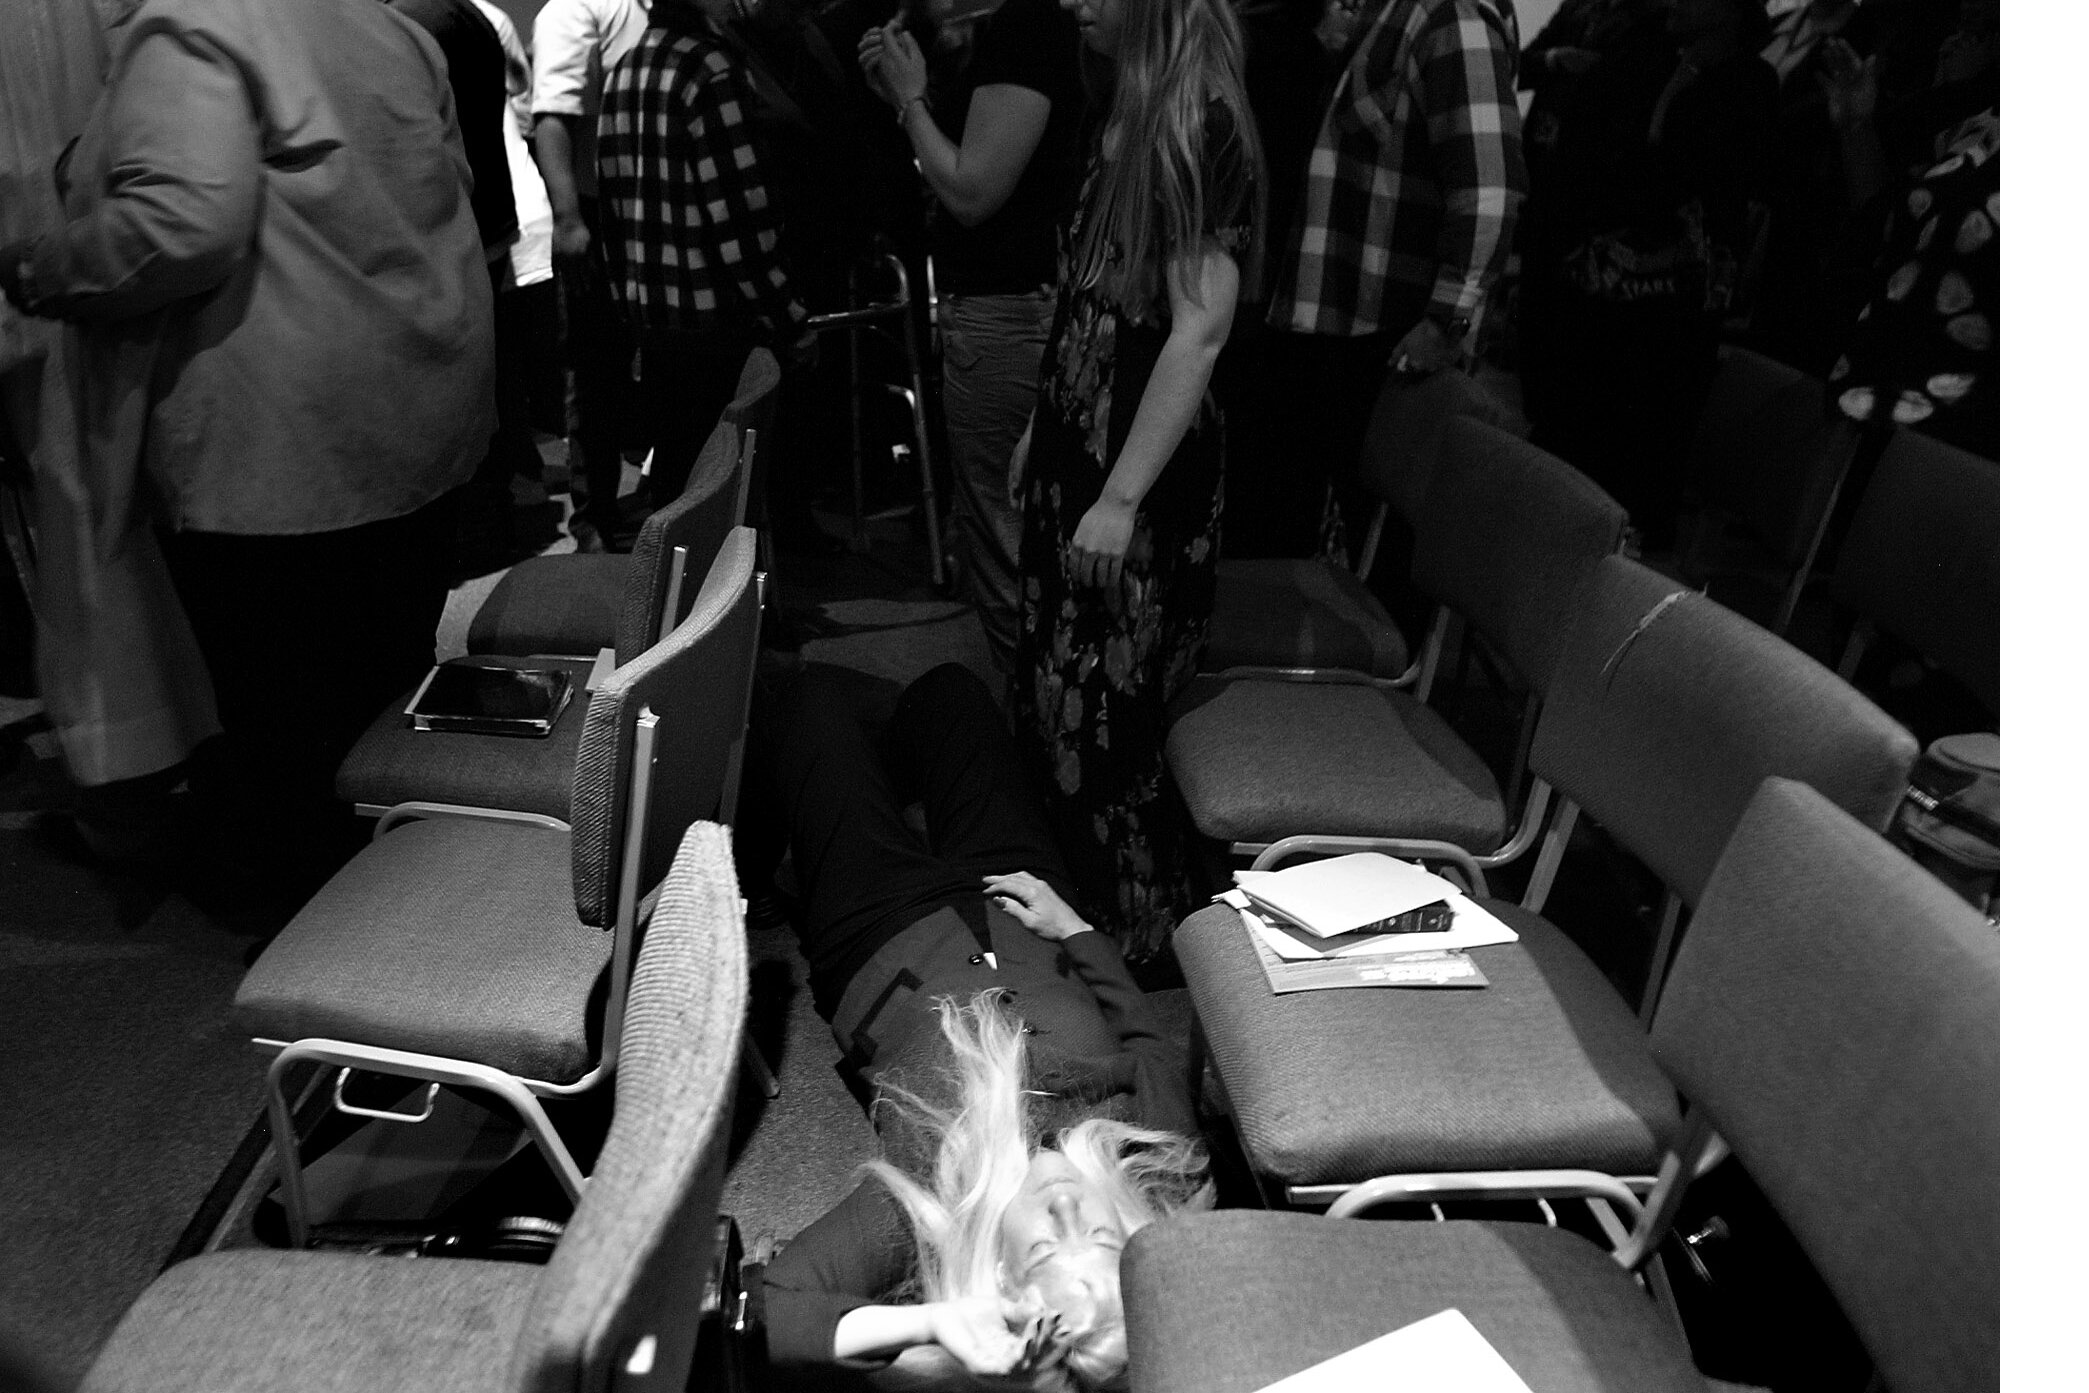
x=529, y=260
x=577, y=41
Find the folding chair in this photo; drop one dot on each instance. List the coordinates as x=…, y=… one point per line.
x=1834, y=1018
x=1770, y=451
x=1303, y=614
x=393, y=763
x=1502, y=538
x=1665, y=712
x=616, y=1306
x=575, y=604
x=1922, y=562
x=467, y=948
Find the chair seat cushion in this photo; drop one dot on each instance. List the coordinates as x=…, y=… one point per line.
x=258, y=1321
x=450, y=936
x=1261, y=759
x=394, y=763
x=1300, y=613
x=1544, y=1067
x=1229, y=1302
x=564, y=604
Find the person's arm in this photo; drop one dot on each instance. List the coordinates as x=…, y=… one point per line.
x=1003, y=126
x=183, y=200
x=564, y=39
x=1149, y=1065
x=1851, y=86
x=742, y=221
x=1203, y=286
x=1468, y=95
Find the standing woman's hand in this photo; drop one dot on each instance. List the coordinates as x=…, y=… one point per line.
x=894, y=65
x=1102, y=541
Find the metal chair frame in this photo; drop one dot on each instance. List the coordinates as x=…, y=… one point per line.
x=875, y=316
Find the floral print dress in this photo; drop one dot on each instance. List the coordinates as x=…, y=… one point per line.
x=1095, y=671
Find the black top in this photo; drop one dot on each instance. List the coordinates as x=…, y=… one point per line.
x=479, y=87
x=1097, y=1049
x=1033, y=44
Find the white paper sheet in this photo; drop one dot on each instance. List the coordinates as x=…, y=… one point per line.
x=1471, y=927
x=1343, y=893
x=1442, y=1354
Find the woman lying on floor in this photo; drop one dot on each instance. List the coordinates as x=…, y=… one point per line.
x=1030, y=1114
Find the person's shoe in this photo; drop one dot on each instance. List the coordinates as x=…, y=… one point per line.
x=585, y=537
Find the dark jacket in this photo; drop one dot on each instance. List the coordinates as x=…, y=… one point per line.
x=1096, y=1049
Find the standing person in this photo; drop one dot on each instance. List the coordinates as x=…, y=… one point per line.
x=272, y=199
x=1031, y=1113
x=577, y=43
x=1639, y=250
x=1121, y=509
x=690, y=229
x=1002, y=187
x=121, y=679
x=1404, y=226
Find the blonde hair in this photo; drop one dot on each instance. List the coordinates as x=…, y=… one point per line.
x=1173, y=58
x=988, y=1136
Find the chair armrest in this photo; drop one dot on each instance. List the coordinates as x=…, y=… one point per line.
x=410, y=811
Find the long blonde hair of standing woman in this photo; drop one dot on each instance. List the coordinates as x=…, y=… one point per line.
x=988, y=1137
x=1174, y=58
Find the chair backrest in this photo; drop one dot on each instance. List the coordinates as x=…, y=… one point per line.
x=1768, y=448
x=1836, y=1014
x=1923, y=558
x=696, y=681
x=753, y=406
x=1667, y=710
x=1504, y=538
x=632, y=1262
x=697, y=519
x=1407, y=428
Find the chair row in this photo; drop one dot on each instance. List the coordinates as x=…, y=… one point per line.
x=612, y=1306
x=1833, y=1018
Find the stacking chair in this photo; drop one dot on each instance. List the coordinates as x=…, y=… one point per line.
x=1665, y=712
x=1770, y=451
x=393, y=763
x=615, y=1306
x=1833, y=1018
x=468, y=947
x=1502, y=538
x=1293, y=614
x=576, y=604
x=1922, y=563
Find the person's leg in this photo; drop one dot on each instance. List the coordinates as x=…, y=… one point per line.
x=992, y=345
x=598, y=348
x=860, y=868
x=683, y=389
x=984, y=816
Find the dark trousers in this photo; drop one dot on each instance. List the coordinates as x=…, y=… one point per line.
x=306, y=638
x=598, y=349
x=1297, y=407
x=683, y=386
x=863, y=873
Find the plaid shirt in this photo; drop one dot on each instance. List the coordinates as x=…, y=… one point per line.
x=1413, y=184
x=689, y=230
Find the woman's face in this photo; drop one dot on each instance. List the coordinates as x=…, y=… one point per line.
x=1061, y=1241
x=1101, y=21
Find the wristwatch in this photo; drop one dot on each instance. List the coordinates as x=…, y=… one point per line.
x=1455, y=327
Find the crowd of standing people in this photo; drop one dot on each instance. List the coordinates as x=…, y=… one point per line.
x=270, y=349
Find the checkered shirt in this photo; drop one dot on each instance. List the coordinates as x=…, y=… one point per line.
x=689, y=229
x=1412, y=188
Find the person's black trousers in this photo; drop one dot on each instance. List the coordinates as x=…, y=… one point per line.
x=306, y=638
x=864, y=874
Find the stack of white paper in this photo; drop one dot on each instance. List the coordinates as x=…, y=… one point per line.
x=1344, y=893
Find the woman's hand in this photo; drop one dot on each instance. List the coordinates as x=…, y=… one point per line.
x=1019, y=464
x=1570, y=60
x=975, y=1331
x=1101, y=542
x=1036, y=906
x=1850, y=84
x=893, y=64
